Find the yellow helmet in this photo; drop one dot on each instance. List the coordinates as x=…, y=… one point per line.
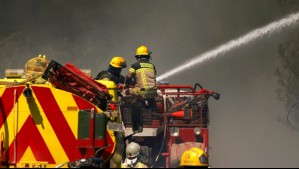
x=194, y=157
x=118, y=62
x=142, y=50
x=35, y=67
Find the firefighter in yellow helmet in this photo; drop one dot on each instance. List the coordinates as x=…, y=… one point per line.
x=34, y=69
x=194, y=157
x=133, y=157
x=113, y=72
x=141, y=81
x=143, y=73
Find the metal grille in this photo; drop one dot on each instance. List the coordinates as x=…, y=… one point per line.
x=151, y=110
x=172, y=108
x=188, y=109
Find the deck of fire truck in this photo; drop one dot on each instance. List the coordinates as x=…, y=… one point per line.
x=177, y=121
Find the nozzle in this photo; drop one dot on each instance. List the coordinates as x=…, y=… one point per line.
x=216, y=96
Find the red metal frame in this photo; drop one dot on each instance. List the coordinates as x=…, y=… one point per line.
x=176, y=94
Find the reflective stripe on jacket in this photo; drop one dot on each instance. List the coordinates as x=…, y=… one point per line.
x=144, y=73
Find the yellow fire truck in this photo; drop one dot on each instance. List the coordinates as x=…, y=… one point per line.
x=61, y=117
x=69, y=121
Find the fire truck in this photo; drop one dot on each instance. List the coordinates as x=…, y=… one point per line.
x=72, y=120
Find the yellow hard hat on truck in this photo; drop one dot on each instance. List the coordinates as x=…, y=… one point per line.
x=194, y=157
x=35, y=67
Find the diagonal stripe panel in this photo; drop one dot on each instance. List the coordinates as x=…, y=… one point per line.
x=30, y=137
x=58, y=121
x=7, y=102
x=45, y=129
x=82, y=104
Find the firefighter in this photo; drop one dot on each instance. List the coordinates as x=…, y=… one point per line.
x=194, y=158
x=133, y=157
x=143, y=73
x=141, y=83
x=113, y=72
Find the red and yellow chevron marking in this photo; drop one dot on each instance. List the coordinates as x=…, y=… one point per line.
x=45, y=126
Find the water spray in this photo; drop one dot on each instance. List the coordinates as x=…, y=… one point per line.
x=243, y=40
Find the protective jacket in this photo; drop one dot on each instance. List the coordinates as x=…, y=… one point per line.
x=144, y=74
x=137, y=163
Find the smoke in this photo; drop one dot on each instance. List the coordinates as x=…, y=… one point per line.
x=243, y=40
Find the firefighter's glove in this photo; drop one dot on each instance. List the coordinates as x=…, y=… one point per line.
x=125, y=92
x=120, y=94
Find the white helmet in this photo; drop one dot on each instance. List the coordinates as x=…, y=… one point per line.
x=133, y=150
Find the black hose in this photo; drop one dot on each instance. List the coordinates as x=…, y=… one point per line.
x=197, y=84
x=161, y=148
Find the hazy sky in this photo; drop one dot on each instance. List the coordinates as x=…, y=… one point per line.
x=248, y=124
